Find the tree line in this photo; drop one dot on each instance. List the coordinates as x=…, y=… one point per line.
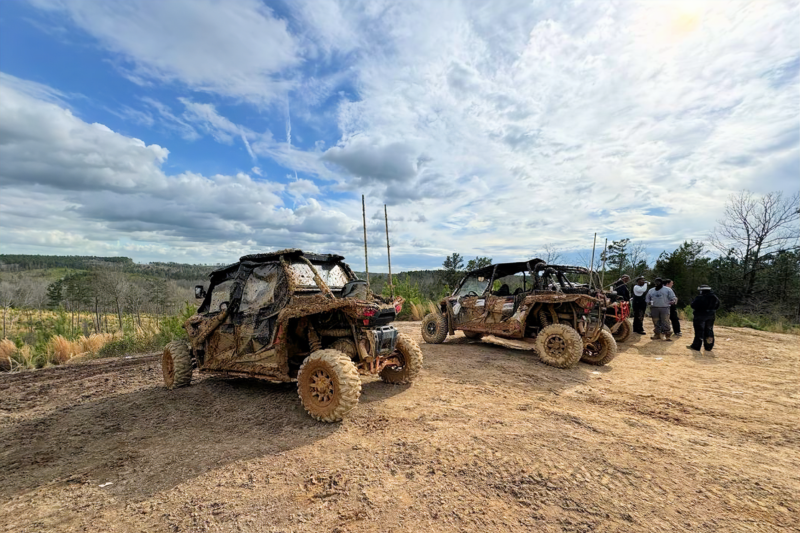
x=168, y=270
x=89, y=296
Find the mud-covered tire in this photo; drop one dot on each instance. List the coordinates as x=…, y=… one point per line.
x=434, y=328
x=474, y=335
x=601, y=351
x=559, y=345
x=412, y=359
x=328, y=385
x=623, y=331
x=176, y=365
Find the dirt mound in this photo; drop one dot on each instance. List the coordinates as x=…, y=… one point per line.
x=487, y=439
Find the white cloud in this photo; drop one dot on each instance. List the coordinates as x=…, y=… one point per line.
x=33, y=89
x=302, y=188
x=237, y=48
x=100, y=192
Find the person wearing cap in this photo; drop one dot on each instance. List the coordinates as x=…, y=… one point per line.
x=621, y=287
x=660, y=298
x=705, y=307
x=639, y=305
x=673, y=311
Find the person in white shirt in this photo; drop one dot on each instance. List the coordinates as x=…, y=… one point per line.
x=639, y=305
x=660, y=298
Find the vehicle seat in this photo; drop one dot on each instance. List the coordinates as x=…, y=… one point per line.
x=518, y=291
x=503, y=290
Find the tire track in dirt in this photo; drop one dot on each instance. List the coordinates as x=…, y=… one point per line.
x=485, y=440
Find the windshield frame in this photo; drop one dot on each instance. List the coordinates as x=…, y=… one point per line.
x=473, y=275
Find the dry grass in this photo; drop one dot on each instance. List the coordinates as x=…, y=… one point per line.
x=7, y=349
x=418, y=311
x=25, y=358
x=95, y=341
x=60, y=350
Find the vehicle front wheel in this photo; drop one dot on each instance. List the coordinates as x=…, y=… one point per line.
x=623, y=331
x=559, y=345
x=411, y=356
x=328, y=385
x=434, y=328
x=601, y=351
x=176, y=365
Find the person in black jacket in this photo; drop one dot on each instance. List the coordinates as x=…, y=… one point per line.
x=621, y=287
x=673, y=311
x=705, y=311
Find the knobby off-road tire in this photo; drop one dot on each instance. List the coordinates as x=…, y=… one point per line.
x=473, y=335
x=176, y=365
x=559, y=345
x=601, y=351
x=434, y=328
x=412, y=362
x=328, y=385
x=623, y=331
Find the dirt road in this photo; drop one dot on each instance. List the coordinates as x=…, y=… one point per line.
x=487, y=439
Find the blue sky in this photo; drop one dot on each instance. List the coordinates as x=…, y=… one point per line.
x=199, y=130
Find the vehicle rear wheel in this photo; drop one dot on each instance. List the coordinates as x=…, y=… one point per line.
x=328, y=385
x=473, y=335
x=176, y=365
x=559, y=345
x=434, y=328
x=623, y=331
x=407, y=350
x=601, y=351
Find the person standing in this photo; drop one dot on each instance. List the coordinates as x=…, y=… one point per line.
x=660, y=298
x=621, y=287
x=705, y=312
x=673, y=310
x=639, y=305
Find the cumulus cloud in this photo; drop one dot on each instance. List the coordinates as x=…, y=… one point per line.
x=99, y=187
x=302, y=188
x=371, y=160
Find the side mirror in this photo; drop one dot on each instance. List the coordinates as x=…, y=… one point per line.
x=199, y=292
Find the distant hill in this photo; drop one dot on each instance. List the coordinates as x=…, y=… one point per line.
x=177, y=271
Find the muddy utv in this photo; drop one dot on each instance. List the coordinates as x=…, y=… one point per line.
x=528, y=305
x=617, y=310
x=294, y=316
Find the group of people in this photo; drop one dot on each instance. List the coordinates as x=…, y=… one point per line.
x=664, y=311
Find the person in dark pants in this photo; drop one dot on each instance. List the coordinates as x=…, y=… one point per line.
x=639, y=305
x=621, y=287
x=705, y=311
x=673, y=311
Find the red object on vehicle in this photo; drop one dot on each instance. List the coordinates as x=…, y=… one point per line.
x=398, y=308
x=622, y=310
x=368, y=312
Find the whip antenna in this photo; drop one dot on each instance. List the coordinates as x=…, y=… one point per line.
x=364, y=219
x=388, y=250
